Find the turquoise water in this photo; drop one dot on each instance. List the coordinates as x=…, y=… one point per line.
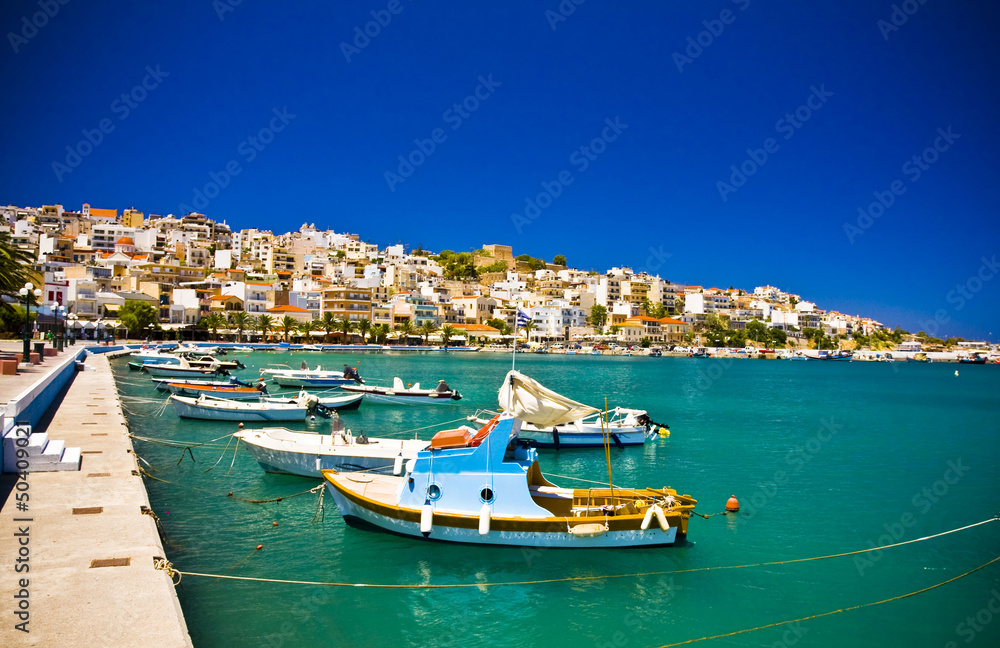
x=824, y=457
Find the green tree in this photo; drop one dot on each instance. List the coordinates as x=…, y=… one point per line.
x=212, y=321
x=307, y=328
x=239, y=321
x=379, y=333
x=287, y=325
x=528, y=328
x=328, y=323
x=598, y=316
x=559, y=260
x=345, y=326
x=496, y=323
x=136, y=315
x=448, y=332
x=364, y=325
x=758, y=332
x=427, y=329
x=405, y=328
x=12, y=319
x=16, y=267
x=265, y=324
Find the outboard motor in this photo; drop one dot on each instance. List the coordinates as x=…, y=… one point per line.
x=352, y=374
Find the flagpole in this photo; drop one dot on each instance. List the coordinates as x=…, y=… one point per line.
x=513, y=355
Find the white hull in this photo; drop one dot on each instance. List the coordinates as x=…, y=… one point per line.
x=385, y=399
x=221, y=410
x=282, y=451
x=296, y=381
x=557, y=538
x=584, y=438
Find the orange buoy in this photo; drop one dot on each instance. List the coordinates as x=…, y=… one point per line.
x=274, y=524
x=241, y=426
x=259, y=547
x=733, y=505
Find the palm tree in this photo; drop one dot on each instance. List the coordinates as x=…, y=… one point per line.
x=405, y=328
x=328, y=322
x=213, y=321
x=345, y=326
x=16, y=267
x=528, y=328
x=447, y=331
x=288, y=324
x=265, y=324
x=378, y=333
x=308, y=327
x=426, y=329
x=364, y=325
x=240, y=321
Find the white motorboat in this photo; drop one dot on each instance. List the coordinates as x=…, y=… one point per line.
x=279, y=450
x=623, y=426
x=285, y=376
x=348, y=402
x=207, y=408
x=183, y=369
x=147, y=356
x=399, y=394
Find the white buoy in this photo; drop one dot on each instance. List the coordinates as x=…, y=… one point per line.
x=397, y=465
x=647, y=518
x=426, y=519
x=410, y=464
x=661, y=518
x=317, y=464
x=484, y=519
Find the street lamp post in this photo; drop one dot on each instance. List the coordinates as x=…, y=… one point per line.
x=55, y=324
x=61, y=331
x=71, y=334
x=26, y=294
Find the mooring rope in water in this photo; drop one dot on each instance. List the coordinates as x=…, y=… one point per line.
x=276, y=499
x=832, y=612
x=590, y=578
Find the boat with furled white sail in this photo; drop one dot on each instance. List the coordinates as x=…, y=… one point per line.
x=486, y=487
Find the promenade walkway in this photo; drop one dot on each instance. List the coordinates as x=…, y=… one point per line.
x=72, y=519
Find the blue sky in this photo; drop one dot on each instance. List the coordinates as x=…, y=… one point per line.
x=516, y=99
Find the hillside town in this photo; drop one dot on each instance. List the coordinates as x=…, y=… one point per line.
x=196, y=274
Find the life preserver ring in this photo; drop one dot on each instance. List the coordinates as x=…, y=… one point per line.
x=484, y=432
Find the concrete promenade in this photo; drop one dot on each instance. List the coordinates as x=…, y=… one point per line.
x=75, y=518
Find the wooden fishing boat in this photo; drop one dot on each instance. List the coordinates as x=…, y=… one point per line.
x=209, y=361
x=398, y=394
x=279, y=450
x=183, y=370
x=228, y=391
x=163, y=384
x=486, y=487
x=285, y=376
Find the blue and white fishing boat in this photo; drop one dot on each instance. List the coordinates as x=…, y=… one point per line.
x=279, y=450
x=486, y=487
x=163, y=384
x=399, y=394
x=147, y=356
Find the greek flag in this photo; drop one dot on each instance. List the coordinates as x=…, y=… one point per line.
x=522, y=317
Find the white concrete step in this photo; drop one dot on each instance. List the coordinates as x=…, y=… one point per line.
x=70, y=460
x=53, y=451
x=36, y=443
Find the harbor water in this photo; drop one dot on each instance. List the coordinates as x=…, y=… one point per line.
x=824, y=458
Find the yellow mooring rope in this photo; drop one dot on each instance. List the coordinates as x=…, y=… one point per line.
x=832, y=612
x=600, y=577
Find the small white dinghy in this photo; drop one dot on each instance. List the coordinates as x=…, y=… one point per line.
x=207, y=408
x=279, y=450
x=400, y=395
